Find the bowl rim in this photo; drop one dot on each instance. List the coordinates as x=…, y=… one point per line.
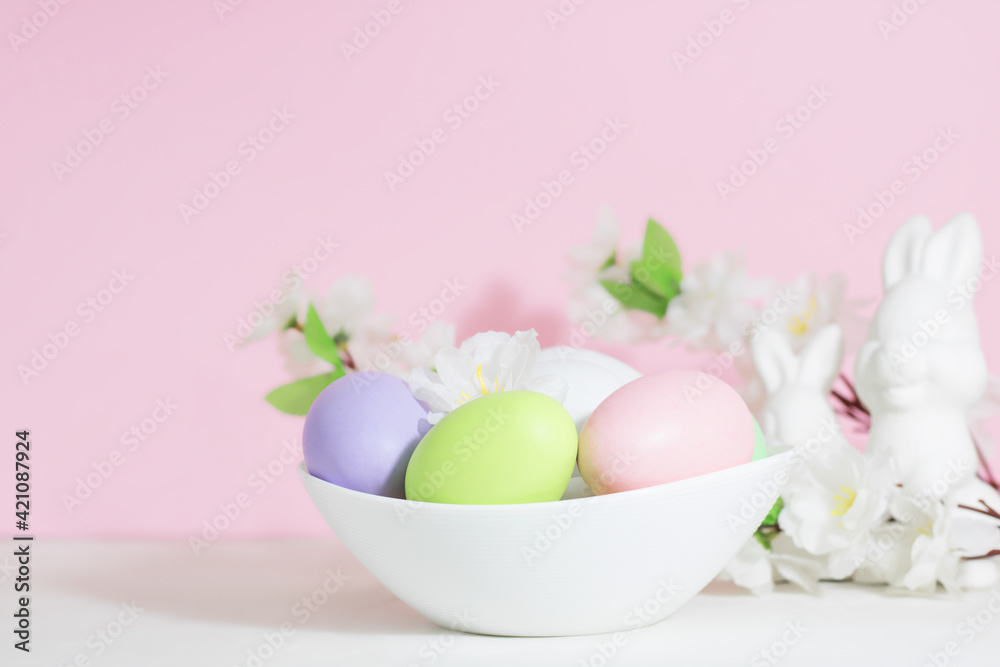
x=777, y=461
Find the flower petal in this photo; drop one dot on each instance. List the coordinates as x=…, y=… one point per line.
x=554, y=386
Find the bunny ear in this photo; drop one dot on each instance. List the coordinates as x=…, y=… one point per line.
x=775, y=362
x=954, y=252
x=821, y=360
x=902, y=256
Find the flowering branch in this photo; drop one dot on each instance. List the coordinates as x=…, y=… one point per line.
x=348, y=359
x=989, y=511
x=719, y=306
x=296, y=397
x=851, y=406
x=345, y=354
x=987, y=474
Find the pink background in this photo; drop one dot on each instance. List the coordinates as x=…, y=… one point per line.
x=162, y=337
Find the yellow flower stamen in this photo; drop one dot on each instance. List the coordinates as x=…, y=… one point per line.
x=483, y=387
x=799, y=324
x=482, y=382
x=843, y=503
x=926, y=530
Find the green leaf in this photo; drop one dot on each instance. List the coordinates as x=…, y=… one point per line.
x=636, y=297
x=319, y=341
x=772, y=517
x=296, y=398
x=659, y=269
x=664, y=288
x=610, y=261
x=341, y=338
x=765, y=540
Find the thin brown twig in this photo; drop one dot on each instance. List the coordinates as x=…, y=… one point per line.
x=850, y=387
x=852, y=406
x=989, y=511
x=348, y=359
x=850, y=409
x=989, y=478
x=854, y=409
x=993, y=514
x=345, y=353
x=843, y=399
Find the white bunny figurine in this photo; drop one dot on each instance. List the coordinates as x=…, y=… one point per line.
x=798, y=387
x=921, y=366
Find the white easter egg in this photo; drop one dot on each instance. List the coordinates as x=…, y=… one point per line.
x=591, y=376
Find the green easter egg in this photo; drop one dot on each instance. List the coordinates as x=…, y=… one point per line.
x=504, y=448
x=759, y=446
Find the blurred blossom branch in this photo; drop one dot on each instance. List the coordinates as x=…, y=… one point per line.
x=325, y=338
x=844, y=513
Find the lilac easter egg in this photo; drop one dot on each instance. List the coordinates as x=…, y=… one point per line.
x=662, y=428
x=361, y=431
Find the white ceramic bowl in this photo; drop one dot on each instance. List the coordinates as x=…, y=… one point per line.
x=572, y=567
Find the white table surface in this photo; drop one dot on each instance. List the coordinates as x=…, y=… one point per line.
x=211, y=609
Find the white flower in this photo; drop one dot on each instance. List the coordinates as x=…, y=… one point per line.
x=365, y=338
x=348, y=304
x=372, y=345
x=716, y=305
x=592, y=309
x=293, y=305
x=300, y=362
x=932, y=560
x=974, y=534
x=931, y=557
x=796, y=565
x=979, y=574
x=755, y=568
x=886, y=555
x=833, y=503
x=589, y=259
x=924, y=544
x=751, y=568
x=594, y=312
x=437, y=336
x=346, y=313
x=485, y=364
x=815, y=305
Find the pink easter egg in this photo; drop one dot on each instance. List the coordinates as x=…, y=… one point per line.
x=662, y=428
